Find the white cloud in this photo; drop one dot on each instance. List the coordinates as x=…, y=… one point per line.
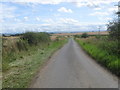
x=105, y=19
x=60, y=23
x=7, y=12
x=98, y=2
x=67, y=21
x=17, y=20
x=80, y=4
x=99, y=14
x=63, y=9
x=38, y=18
x=26, y=18
x=113, y=9
x=49, y=21
x=60, y=1
x=35, y=1
x=92, y=3
x=98, y=8
x=50, y=25
x=108, y=18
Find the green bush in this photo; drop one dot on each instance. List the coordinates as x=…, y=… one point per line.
x=114, y=32
x=84, y=35
x=31, y=37
x=34, y=38
x=77, y=36
x=114, y=29
x=102, y=55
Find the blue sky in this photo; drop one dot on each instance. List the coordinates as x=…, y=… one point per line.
x=55, y=15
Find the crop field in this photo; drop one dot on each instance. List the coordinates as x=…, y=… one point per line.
x=90, y=33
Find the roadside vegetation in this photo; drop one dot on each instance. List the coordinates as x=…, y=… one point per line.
x=0, y=62
x=23, y=55
x=16, y=47
x=104, y=49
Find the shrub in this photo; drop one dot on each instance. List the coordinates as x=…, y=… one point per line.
x=84, y=35
x=30, y=37
x=34, y=38
x=77, y=36
x=103, y=53
x=114, y=31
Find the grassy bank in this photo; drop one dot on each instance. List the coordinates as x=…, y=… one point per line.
x=0, y=62
x=17, y=47
x=22, y=70
x=23, y=55
x=104, y=51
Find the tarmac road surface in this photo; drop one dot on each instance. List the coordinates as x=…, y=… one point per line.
x=71, y=67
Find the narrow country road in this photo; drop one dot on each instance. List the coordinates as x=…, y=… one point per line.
x=70, y=67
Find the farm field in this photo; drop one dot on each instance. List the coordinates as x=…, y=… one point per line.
x=90, y=33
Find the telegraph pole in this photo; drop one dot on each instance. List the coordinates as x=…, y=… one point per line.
x=99, y=27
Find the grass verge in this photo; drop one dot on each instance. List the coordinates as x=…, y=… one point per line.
x=23, y=70
x=0, y=62
x=102, y=56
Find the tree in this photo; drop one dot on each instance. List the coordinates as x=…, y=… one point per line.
x=114, y=33
x=114, y=29
x=84, y=35
x=30, y=37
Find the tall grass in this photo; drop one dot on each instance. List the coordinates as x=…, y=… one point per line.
x=0, y=62
x=104, y=51
x=17, y=48
x=23, y=57
x=24, y=69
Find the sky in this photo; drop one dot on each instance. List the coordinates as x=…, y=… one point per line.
x=19, y=16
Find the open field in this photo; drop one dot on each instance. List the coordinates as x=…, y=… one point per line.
x=90, y=33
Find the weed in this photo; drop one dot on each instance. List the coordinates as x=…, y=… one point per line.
x=104, y=52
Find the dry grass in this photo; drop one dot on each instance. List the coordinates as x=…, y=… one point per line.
x=22, y=70
x=8, y=43
x=90, y=33
x=53, y=37
x=11, y=37
x=9, y=40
